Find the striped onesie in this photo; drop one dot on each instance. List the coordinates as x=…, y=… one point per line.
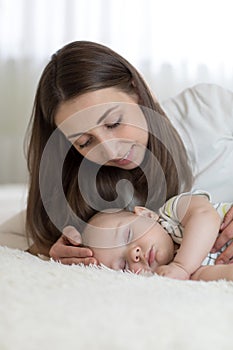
x=168, y=219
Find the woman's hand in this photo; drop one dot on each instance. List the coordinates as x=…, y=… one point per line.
x=226, y=234
x=69, y=249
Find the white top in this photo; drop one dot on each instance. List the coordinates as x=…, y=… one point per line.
x=203, y=116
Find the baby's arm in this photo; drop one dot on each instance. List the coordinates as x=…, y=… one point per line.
x=201, y=224
x=213, y=273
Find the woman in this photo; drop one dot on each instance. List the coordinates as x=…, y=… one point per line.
x=117, y=131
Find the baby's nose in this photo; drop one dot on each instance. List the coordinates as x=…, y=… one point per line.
x=136, y=254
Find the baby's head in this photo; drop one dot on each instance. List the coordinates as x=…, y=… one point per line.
x=124, y=240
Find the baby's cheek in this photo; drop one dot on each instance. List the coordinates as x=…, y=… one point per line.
x=105, y=257
x=98, y=255
x=163, y=257
x=138, y=268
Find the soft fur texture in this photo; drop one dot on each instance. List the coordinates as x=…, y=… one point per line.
x=46, y=305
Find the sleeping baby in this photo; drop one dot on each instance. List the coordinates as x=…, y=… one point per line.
x=174, y=242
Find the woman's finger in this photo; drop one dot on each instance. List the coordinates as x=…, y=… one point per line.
x=227, y=219
x=226, y=256
x=59, y=251
x=225, y=236
x=72, y=234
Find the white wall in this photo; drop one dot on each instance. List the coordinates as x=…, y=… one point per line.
x=174, y=44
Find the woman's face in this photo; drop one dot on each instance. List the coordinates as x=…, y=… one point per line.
x=128, y=241
x=106, y=126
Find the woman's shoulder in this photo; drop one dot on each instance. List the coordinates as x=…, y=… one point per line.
x=208, y=88
x=203, y=103
x=203, y=117
x=205, y=96
x=211, y=94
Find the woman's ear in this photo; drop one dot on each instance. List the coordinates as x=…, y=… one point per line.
x=142, y=211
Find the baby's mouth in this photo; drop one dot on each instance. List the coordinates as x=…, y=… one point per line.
x=151, y=256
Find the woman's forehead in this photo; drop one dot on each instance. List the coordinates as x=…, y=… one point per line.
x=92, y=100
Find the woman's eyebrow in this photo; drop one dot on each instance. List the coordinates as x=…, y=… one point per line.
x=106, y=113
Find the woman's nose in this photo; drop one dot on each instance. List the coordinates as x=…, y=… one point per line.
x=108, y=148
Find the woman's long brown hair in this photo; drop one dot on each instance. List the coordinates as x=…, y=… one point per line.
x=77, y=68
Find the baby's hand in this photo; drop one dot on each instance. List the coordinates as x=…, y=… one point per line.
x=173, y=270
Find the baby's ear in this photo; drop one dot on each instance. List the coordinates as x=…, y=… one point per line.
x=142, y=211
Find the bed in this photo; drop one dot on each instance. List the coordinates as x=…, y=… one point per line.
x=46, y=305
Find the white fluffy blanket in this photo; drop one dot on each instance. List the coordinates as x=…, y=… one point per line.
x=46, y=305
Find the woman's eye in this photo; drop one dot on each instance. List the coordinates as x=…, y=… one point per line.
x=86, y=144
x=115, y=124
x=112, y=126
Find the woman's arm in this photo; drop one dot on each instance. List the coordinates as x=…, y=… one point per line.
x=213, y=273
x=35, y=250
x=201, y=224
x=13, y=232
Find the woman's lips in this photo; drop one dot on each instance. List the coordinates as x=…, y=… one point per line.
x=127, y=159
